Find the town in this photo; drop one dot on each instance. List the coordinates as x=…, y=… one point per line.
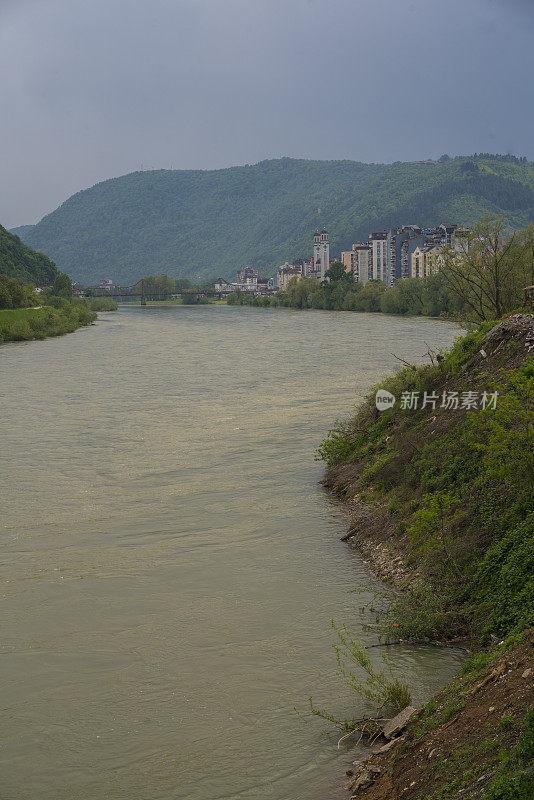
x=388, y=256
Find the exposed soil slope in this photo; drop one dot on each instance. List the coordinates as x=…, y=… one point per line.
x=457, y=745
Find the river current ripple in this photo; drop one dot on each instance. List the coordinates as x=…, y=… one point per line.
x=170, y=564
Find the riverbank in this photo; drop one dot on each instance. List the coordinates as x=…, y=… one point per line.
x=473, y=740
x=24, y=324
x=439, y=487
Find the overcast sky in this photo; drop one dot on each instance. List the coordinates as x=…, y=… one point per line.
x=92, y=89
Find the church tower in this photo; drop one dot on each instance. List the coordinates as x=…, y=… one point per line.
x=321, y=253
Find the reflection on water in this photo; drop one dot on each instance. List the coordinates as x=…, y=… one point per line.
x=170, y=565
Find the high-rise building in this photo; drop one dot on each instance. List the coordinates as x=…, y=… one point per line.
x=321, y=253
x=358, y=261
x=397, y=267
x=380, y=243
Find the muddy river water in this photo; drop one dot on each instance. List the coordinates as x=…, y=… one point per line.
x=170, y=564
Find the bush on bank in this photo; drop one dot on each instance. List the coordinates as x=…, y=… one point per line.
x=14, y=294
x=25, y=315
x=55, y=319
x=413, y=296
x=101, y=304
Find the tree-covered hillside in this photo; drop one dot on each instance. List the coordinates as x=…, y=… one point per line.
x=206, y=223
x=17, y=260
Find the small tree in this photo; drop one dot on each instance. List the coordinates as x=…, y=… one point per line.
x=487, y=268
x=357, y=671
x=62, y=286
x=300, y=291
x=337, y=273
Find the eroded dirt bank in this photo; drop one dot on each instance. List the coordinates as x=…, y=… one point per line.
x=456, y=746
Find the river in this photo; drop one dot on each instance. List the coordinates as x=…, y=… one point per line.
x=170, y=564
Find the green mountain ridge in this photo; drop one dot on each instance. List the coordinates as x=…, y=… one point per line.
x=17, y=260
x=204, y=223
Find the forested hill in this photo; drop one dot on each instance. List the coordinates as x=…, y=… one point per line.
x=17, y=260
x=208, y=223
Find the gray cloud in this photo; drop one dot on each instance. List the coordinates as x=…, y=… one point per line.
x=94, y=90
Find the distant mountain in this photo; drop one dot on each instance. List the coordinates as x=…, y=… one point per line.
x=17, y=260
x=208, y=223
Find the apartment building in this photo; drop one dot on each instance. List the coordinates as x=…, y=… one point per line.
x=358, y=261
x=380, y=243
x=425, y=261
x=285, y=273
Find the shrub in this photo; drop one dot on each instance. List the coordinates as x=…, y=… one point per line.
x=20, y=330
x=101, y=304
x=504, y=582
x=378, y=687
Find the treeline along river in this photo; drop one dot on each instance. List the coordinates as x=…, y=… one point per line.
x=170, y=564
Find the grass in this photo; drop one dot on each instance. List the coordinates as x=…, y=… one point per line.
x=500, y=752
x=459, y=486
x=508, y=768
x=24, y=324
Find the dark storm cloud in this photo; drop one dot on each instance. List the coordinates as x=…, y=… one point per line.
x=98, y=89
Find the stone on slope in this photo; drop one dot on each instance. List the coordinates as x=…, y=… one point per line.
x=398, y=723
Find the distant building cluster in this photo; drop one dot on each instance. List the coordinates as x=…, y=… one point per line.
x=315, y=267
x=406, y=252
x=389, y=255
x=248, y=279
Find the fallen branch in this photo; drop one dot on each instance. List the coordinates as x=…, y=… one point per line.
x=406, y=363
x=367, y=726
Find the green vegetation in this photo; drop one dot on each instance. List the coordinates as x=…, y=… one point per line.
x=14, y=295
x=162, y=285
x=462, y=481
x=380, y=688
x=193, y=299
x=27, y=323
x=19, y=261
x=427, y=296
x=490, y=272
x=514, y=779
x=492, y=753
x=25, y=315
x=101, y=304
x=197, y=223
x=161, y=288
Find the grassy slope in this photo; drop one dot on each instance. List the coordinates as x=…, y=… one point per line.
x=442, y=506
x=22, y=324
x=17, y=260
x=188, y=223
x=451, y=490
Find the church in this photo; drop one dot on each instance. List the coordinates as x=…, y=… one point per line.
x=321, y=254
